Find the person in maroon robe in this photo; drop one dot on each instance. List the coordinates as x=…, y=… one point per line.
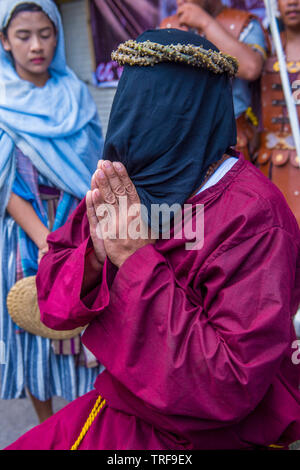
x=195, y=333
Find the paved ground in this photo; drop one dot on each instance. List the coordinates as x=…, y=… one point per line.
x=18, y=416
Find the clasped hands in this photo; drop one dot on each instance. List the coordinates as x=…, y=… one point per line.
x=112, y=189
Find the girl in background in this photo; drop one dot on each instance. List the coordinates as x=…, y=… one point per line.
x=50, y=141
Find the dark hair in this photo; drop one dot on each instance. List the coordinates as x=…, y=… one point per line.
x=23, y=7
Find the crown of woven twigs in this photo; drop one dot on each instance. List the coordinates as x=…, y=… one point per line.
x=149, y=53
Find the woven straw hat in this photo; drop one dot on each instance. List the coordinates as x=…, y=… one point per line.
x=23, y=308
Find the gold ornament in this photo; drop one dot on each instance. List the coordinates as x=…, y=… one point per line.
x=292, y=66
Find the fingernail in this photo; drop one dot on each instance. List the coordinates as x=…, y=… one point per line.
x=100, y=174
x=107, y=164
x=118, y=166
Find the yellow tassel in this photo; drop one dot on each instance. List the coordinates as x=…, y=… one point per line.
x=97, y=408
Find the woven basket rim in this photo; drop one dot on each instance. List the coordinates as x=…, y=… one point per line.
x=23, y=309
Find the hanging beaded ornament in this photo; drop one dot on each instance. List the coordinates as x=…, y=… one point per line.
x=149, y=53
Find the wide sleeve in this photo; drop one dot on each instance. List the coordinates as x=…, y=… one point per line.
x=214, y=359
x=60, y=276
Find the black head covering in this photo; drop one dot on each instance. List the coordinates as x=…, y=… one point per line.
x=170, y=122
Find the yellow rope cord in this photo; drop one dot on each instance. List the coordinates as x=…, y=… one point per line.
x=97, y=408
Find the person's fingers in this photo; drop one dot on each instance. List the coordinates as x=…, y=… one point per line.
x=93, y=182
x=185, y=9
x=90, y=209
x=116, y=184
x=181, y=13
x=106, y=194
x=106, y=215
x=95, y=226
x=130, y=189
x=99, y=165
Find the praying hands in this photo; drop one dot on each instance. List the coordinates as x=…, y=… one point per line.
x=113, y=205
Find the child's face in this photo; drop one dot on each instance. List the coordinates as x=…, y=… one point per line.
x=31, y=39
x=290, y=13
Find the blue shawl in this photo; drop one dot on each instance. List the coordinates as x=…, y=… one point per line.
x=56, y=127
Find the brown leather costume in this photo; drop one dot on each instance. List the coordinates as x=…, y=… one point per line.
x=277, y=156
x=234, y=21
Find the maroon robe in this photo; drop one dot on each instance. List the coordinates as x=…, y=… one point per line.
x=199, y=346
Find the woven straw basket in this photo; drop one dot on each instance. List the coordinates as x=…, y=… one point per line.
x=23, y=308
